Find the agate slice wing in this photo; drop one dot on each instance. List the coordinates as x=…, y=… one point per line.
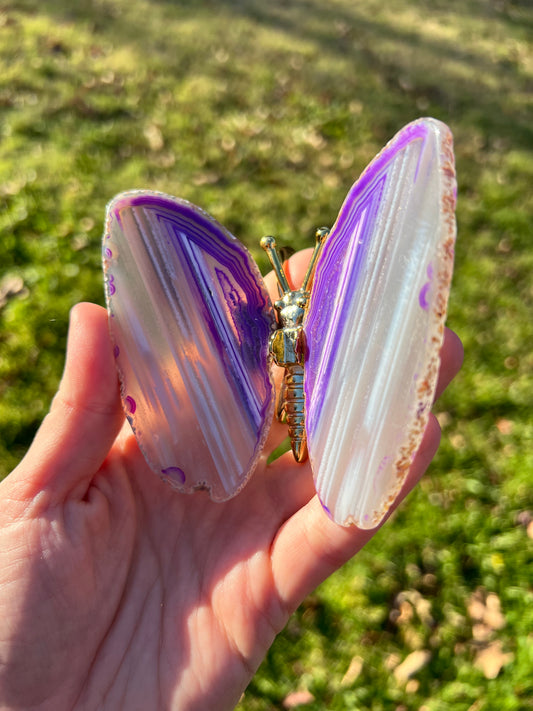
x=375, y=324
x=190, y=322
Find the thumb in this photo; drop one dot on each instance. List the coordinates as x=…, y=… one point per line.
x=85, y=416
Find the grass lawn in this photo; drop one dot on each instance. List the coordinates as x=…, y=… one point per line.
x=264, y=113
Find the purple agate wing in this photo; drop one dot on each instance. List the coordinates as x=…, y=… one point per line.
x=190, y=320
x=375, y=324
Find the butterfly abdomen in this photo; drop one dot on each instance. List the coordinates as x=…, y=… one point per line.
x=287, y=347
x=294, y=408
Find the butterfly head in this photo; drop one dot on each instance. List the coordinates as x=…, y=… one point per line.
x=291, y=308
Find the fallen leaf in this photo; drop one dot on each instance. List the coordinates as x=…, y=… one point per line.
x=491, y=659
x=406, y=604
x=505, y=427
x=153, y=135
x=412, y=664
x=355, y=668
x=493, y=612
x=403, y=614
x=485, y=608
x=205, y=179
x=297, y=698
x=457, y=441
x=11, y=285
x=476, y=606
x=444, y=419
x=392, y=661
x=412, y=686
x=423, y=610
x=481, y=632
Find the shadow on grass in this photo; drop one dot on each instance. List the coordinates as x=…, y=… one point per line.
x=449, y=76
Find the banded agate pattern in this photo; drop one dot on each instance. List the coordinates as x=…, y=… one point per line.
x=375, y=324
x=190, y=320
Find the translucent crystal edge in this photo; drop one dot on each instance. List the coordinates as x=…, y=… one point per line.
x=428, y=382
x=154, y=466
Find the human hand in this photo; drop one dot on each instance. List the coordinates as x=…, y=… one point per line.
x=116, y=592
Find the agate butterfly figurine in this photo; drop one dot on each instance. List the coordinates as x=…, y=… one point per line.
x=195, y=333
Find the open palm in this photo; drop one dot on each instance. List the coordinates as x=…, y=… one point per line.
x=116, y=592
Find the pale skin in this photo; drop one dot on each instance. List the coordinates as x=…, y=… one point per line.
x=117, y=593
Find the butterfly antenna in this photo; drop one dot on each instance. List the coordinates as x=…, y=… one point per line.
x=269, y=245
x=321, y=235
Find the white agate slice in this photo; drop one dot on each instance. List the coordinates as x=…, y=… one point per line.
x=190, y=320
x=375, y=324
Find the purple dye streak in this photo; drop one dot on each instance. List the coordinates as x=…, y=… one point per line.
x=326, y=509
x=423, y=296
x=216, y=274
x=174, y=474
x=407, y=135
x=347, y=244
x=356, y=219
x=193, y=234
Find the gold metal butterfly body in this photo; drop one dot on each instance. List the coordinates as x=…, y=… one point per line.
x=287, y=343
